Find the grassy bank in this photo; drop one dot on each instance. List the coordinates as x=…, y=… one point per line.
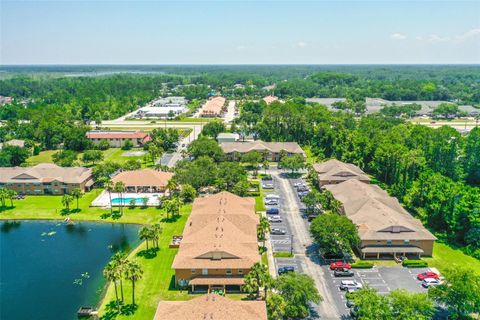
x=445, y=256
x=51, y=208
x=157, y=281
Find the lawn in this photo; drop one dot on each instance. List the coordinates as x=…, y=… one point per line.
x=444, y=257
x=51, y=208
x=112, y=154
x=157, y=281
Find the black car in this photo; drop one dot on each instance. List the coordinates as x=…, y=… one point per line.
x=273, y=211
x=343, y=273
x=267, y=178
x=287, y=269
x=354, y=312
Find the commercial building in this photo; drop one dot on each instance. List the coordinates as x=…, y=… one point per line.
x=144, y=180
x=333, y=172
x=385, y=228
x=211, y=307
x=14, y=143
x=213, y=107
x=46, y=178
x=173, y=101
x=165, y=112
x=227, y=137
x=116, y=139
x=271, y=150
x=270, y=99
x=219, y=244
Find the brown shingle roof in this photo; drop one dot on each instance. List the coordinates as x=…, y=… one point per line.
x=221, y=233
x=44, y=172
x=379, y=216
x=214, y=105
x=211, y=307
x=270, y=99
x=259, y=145
x=144, y=177
x=334, y=170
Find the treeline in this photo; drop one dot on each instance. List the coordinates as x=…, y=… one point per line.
x=434, y=172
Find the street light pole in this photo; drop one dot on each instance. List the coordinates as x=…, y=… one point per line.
x=291, y=244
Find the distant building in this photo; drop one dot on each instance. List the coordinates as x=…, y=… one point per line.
x=173, y=101
x=213, y=107
x=211, y=307
x=385, y=228
x=145, y=180
x=14, y=142
x=374, y=105
x=46, y=178
x=116, y=139
x=334, y=172
x=271, y=150
x=164, y=112
x=227, y=137
x=219, y=244
x=5, y=100
x=328, y=102
x=270, y=99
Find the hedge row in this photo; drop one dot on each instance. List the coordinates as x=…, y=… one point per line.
x=415, y=263
x=362, y=265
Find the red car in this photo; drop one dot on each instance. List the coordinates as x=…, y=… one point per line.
x=340, y=265
x=428, y=274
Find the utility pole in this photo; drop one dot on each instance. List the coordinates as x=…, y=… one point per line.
x=291, y=244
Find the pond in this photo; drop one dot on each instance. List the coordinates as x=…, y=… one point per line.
x=49, y=269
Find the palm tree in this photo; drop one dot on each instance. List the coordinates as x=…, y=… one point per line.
x=109, y=187
x=110, y=273
x=66, y=200
x=145, y=233
x=11, y=194
x=3, y=196
x=77, y=194
x=266, y=165
x=120, y=189
x=172, y=206
x=134, y=272
x=172, y=185
x=156, y=232
x=119, y=260
x=263, y=228
x=257, y=278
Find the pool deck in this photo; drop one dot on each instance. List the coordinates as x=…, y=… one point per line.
x=103, y=200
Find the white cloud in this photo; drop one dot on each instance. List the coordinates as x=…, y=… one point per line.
x=437, y=38
x=241, y=47
x=301, y=44
x=398, y=36
x=469, y=34
x=419, y=38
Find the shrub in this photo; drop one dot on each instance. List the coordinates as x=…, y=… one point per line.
x=414, y=263
x=362, y=265
x=282, y=254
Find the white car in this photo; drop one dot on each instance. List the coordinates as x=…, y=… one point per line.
x=271, y=202
x=275, y=219
x=267, y=186
x=350, y=285
x=428, y=282
x=272, y=196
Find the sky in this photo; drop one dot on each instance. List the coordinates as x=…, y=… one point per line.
x=239, y=32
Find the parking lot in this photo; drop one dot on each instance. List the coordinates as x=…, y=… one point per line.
x=382, y=279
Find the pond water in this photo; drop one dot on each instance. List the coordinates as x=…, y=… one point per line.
x=49, y=269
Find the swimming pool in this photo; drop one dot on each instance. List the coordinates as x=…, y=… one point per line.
x=139, y=200
x=103, y=200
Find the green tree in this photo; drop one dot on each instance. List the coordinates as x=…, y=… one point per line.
x=229, y=174
x=188, y=193
x=77, y=194
x=134, y=272
x=312, y=200
x=110, y=187
x=119, y=261
x=262, y=229
x=110, y=273
x=127, y=145
x=472, y=157
x=241, y=188
x=460, y=292
x=334, y=233
x=92, y=156
x=65, y=158
x=293, y=163
x=276, y=306
x=157, y=230
x=410, y=305
x=172, y=207
x=446, y=110
x=132, y=203
x=3, y=196
x=253, y=159
x=256, y=279
x=212, y=129
x=372, y=305
x=145, y=201
x=66, y=201
x=145, y=234
x=298, y=290
x=119, y=188
x=205, y=147
x=11, y=194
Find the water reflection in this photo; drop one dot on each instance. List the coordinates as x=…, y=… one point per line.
x=8, y=226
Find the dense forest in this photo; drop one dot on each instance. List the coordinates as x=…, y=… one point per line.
x=434, y=172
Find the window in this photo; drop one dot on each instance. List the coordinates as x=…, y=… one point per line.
x=240, y=271
x=193, y=271
x=228, y=272
x=389, y=242
x=406, y=242
x=204, y=271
